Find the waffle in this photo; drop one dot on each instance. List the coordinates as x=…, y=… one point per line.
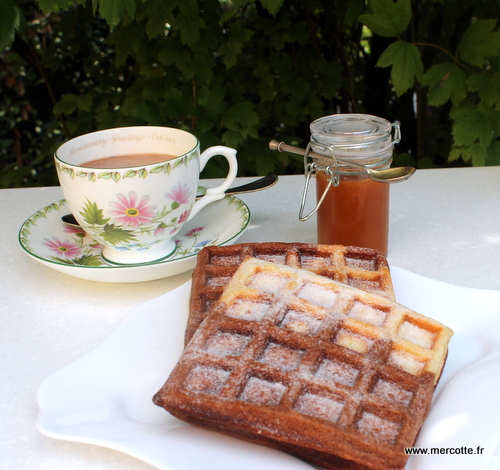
x=329, y=373
x=364, y=268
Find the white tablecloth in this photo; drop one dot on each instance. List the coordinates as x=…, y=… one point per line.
x=444, y=224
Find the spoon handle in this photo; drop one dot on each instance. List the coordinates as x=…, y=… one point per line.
x=257, y=185
x=388, y=175
x=283, y=147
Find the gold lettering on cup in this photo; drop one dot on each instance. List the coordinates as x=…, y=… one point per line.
x=94, y=143
x=127, y=138
x=163, y=138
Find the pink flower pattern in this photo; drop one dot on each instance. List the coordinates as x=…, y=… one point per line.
x=183, y=217
x=180, y=193
x=160, y=229
x=194, y=232
x=131, y=212
x=63, y=249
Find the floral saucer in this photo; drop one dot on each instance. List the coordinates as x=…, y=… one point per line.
x=68, y=249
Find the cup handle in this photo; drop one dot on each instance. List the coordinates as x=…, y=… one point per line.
x=217, y=193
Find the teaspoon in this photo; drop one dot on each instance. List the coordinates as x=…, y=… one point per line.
x=257, y=185
x=389, y=175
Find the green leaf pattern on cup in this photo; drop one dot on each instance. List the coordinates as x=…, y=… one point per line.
x=143, y=173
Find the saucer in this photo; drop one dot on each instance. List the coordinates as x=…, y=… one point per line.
x=68, y=249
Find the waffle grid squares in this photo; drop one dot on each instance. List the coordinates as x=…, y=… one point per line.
x=322, y=392
x=319, y=306
x=331, y=367
x=359, y=267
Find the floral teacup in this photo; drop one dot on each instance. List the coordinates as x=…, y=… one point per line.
x=133, y=188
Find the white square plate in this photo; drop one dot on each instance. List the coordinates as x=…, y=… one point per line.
x=105, y=397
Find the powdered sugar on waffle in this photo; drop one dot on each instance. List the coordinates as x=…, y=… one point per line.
x=359, y=267
x=305, y=364
x=306, y=303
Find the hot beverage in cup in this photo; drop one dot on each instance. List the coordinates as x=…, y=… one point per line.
x=125, y=161
x=133, y=188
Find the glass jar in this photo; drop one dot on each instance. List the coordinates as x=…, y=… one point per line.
x=352, y=209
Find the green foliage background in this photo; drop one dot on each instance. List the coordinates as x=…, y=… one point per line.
x=243, y=72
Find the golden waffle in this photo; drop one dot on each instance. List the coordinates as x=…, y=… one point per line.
x=298, y=362
x=364, y=268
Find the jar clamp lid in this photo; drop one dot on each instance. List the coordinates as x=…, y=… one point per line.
x=356, y=136
x=360, y=140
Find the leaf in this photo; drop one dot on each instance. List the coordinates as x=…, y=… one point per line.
x=471, y=126
x=389, y=18
x=10, y=20
x=446, y=82
x=494, y=153
x=455, y=154
x=200, y=66
x=488, y=87
x=130, y=174
x=113, y=11
x=232, y=139
x=493, y=116
x=230, y=52
x=406, y=63
x=89, y=260
x=52, y=207
x=116, y=235
x=479, y=42
x=53, y=6
x=70, y=103
x=92, y=214
x=159, y=18
x=475, y=153
x=272, y=6
x=212, y=98
x=174, y=53
x=240, y=116
x=239, y=33
x=237, y=36
x=146, y=110
x=190, y=28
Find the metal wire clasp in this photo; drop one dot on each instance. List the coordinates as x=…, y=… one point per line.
x=397, y=133
x=332, y=170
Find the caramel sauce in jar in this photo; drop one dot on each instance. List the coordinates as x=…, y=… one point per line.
x=354, y=209
x=354, y=213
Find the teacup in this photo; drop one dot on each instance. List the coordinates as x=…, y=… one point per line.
x=133, y=188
